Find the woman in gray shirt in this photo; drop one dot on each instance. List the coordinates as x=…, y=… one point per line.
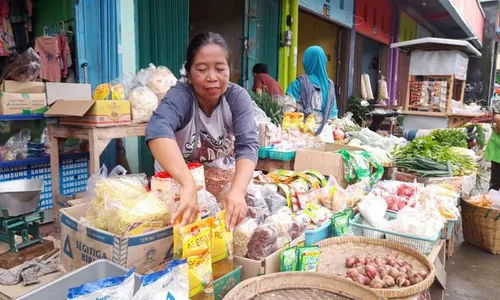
x=203, y=119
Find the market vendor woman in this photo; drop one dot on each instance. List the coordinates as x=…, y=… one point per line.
x=492, y=152
x=202, y=119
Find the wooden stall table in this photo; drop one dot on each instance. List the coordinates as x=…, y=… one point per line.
x=98, y=139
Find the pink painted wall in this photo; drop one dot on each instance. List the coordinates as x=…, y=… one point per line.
x=471, y=13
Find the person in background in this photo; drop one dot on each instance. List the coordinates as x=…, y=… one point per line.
x=492, y=152
x=314, y=92
x=202, y=119
x=263, y=82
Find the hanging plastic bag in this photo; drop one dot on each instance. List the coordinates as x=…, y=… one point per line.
x=23, y=67
x=383, y=94
x=112, y=288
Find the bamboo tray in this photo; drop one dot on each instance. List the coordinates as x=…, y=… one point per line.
x=300, y=286
x=334, y=251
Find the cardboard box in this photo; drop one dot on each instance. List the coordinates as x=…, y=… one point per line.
x=324, y=160
x=31, y=87
x=67, y=91
x=81, y=244
x=271, y=264
x=18, y=96
x=91, y=113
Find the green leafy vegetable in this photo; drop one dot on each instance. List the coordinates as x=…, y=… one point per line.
x=272, y=109
x=450, y=137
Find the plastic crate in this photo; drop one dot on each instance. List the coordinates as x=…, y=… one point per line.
x=282, y=155
x=264, y=152
x=318, y=234
x=424, y=245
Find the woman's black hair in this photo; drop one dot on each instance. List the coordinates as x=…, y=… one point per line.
x=204, y=39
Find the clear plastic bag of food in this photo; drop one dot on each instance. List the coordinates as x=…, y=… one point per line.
x=17, y=145
x=242, y=235
x=426, y=223
x=300, y=223
x=255, y=198
x=143, y=103
x=319, y=214
x=219, y=175
x=111, y=288
x=160, y=79
x=23, y=67
x=264, y=241
x=284, y=222
x=207, y=204
x=169, y=283
x=273, y=198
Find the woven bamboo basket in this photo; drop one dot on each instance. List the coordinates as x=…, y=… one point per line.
x=481, y=226
x=300, y=286
x=334, y=251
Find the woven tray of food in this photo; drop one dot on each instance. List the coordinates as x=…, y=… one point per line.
x=300, y=286
x=390, y=269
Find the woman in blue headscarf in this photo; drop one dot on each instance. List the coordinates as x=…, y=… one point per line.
x=314, y=92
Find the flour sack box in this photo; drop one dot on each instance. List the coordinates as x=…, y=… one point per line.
x=81, y=244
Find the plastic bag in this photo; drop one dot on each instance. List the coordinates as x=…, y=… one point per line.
x=219, y=175
x=426, y=223
x=255, y=198
x=319, y=214
x=359, y=165
x=160, y=79
x=207, y=204
x=273, y=198
x=383, y=94
x=242, y=235
x=264, y=241
x=284, y=222
x=17, y=145
x=112, y=288
x=373, y=210
x=300, y=224
x=143, y=102
x=24, y=67
x=170, y=283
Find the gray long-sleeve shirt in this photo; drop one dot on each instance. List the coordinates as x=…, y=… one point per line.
x=205, y=138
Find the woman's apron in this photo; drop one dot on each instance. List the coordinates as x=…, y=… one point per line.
x=206, y=138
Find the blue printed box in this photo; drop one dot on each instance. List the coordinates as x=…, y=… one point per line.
x=81, y=244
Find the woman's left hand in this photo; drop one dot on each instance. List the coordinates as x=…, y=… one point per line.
x=236, y=207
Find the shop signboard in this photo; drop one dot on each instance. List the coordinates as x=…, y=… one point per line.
x=339, y=11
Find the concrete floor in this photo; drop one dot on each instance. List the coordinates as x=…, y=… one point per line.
x=472, y=273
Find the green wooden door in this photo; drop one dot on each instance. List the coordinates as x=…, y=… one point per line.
x=162, y=35
x=261, y=37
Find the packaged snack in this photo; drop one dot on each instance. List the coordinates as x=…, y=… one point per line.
x=101, y=92
x=169, y=283
x=319, y=215
x=289, y=259
x=200, y=272
x=308, y=258
x=112, y=288
x=222, y=239
x=340, y=223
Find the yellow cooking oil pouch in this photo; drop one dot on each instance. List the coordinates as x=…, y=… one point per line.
x=101, y=92
x=178, y=237
x=222, y=238
x=200, y=272
x=196, y=236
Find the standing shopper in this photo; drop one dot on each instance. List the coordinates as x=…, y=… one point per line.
x=202, y=119
x=493, y=149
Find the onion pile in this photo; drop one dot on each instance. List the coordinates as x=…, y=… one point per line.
x=382, y=272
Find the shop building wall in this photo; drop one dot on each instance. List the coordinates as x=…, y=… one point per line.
x=481, y=71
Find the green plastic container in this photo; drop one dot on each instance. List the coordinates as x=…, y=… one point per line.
x=282, y=155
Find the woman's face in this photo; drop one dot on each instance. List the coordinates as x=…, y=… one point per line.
x=209, y=73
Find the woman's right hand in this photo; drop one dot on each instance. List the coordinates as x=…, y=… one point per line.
x=188, y=207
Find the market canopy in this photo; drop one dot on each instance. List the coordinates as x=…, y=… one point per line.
x=438, y=44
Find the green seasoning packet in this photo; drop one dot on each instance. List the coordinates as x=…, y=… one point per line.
x=308, y=258
x=289, y=259
x=340, y=223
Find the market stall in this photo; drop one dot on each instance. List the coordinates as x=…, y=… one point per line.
x=436, y=85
